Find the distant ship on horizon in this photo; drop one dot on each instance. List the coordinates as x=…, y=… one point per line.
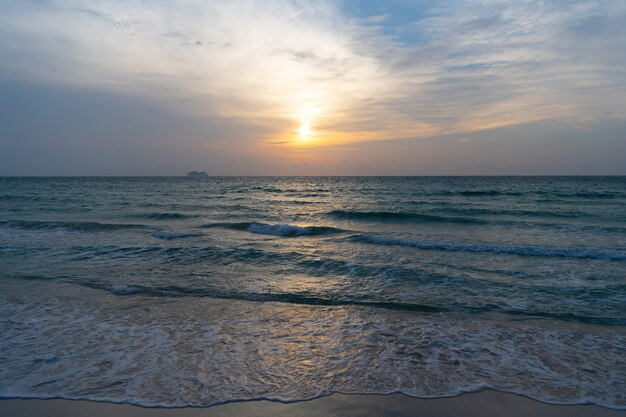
x=200, y=174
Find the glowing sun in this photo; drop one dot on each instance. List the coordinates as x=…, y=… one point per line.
x=305, y=129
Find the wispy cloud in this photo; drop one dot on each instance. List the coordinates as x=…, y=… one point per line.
x=497, y=63
x=249, y=59
x=460, y=66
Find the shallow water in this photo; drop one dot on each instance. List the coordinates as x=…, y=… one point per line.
x=176, y=291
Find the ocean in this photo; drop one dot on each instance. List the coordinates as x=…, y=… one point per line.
x=179, y=291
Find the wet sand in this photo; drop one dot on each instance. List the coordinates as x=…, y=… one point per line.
x=485, y=403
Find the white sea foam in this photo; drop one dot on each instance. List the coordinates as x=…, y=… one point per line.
x=192, y=352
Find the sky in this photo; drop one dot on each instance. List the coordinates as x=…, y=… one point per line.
x=299, y=87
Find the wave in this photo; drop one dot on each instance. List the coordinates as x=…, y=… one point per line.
x=613, y=318
x=297, y=202
x=67, y=226
x=176, y=291
x=286, y=230
x=488, y=193
x=401, y=216
x=480, y=193
x=314, y=300
x=123, y=289
x=590, y=195
x=497, y=193
x=165, y=216
x=510, y=212
x=569, y=252
x=585, y=195
x=173, y=254
x=9, y=197
x=268, y=189
x=292, y=191
x=305, y=195
x=159, y=234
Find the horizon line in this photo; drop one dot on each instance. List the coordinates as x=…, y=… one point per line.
x=314, y=176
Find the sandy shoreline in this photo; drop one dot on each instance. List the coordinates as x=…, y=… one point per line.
x=485, y=403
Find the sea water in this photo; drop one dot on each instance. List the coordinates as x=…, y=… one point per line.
x=198, y=291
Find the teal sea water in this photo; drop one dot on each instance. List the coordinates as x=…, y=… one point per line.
x=193, y=291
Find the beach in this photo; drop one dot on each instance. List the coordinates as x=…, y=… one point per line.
x=486, y=403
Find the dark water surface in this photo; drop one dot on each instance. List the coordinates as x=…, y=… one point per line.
x=177, y=291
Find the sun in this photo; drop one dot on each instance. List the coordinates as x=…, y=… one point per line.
x=305, y=130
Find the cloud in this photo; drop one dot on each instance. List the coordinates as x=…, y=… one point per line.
x=504, y=62
x=388, y=72
x=259, y=59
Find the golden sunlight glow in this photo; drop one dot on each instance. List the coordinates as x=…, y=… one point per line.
x=305, y=131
